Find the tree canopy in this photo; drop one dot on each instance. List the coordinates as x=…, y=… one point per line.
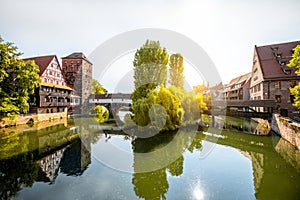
x=295, y=62
x=176, y=70
x=97, y=88
x=150, y=68
x=152, y=102
x=18, y=80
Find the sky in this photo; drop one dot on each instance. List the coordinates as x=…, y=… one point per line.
x=227, y=30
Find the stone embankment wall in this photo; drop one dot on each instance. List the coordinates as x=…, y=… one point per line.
x=33, y=118
x=288, y=129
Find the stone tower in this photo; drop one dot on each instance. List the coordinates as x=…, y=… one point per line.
x=78, y=72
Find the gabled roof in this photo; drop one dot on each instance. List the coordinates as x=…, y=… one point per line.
x=77, y=55
x=42, y=61
x=274, y=58
x=240, y=79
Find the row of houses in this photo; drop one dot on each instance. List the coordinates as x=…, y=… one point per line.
x=270, y=79
x=63, y=87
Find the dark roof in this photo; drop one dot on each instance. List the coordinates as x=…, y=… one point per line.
x=274, y=58
x=240, y=79
x=77, y=55
x=42, y=61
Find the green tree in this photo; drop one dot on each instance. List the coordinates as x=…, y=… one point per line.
x=150, y=68
x=176, y=70
x=102, y=113
x=295, y=62
x=169, y=106
x=18, y=80
x=97, y=88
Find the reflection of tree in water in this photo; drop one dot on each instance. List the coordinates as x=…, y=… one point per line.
x=154, y=184
x=17, y=172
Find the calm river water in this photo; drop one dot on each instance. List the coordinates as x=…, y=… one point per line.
x=80, y=161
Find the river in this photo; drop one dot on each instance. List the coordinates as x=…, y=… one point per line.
x=71, y=160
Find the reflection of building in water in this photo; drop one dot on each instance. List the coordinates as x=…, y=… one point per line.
x=257, y=166
x=49, y=166
x=289, y=153
x=76, y=158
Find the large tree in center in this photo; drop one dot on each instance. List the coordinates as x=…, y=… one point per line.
x=18, y=79
x=150, y=68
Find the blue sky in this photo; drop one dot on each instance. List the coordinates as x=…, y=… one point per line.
x=226, y=29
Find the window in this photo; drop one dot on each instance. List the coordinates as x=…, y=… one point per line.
x=57, y=82
x=255, y=78
x=255, y=70
x=50, y=72
x=277, y=85
x=51, y=81
x=45, y=80
x=278, y=98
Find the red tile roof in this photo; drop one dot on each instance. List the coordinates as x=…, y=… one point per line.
x=42, y=61
x=270, y=64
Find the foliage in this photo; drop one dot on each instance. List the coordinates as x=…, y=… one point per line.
x=167, y=100
x=193, y=105
x=176, y=70
x=102, y=113
x=150, y=68
x=295, y=62
x=18, y=80
x=128, y=121
x=97, y=88
x=296, y=92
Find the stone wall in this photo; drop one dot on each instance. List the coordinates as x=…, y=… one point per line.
x=288, y=129
x=33, y=118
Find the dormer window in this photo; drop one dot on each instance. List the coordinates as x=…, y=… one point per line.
x=282, y=62
x=274, y=48
x=277, y=55
x=287, y=71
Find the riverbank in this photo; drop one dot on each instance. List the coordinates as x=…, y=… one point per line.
x=33, y=118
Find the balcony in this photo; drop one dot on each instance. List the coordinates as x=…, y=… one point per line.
x=54, y=94
x=55, y=104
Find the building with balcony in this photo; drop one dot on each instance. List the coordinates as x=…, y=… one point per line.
x=238, y=88
x=78, y=72
x=53, y=95
x=272, y=79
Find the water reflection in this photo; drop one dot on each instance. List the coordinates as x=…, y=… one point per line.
x=273, y=178
x=38, y=155
x=61, y=151
x=154, y=184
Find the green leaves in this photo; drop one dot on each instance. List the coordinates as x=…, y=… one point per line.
x=295, y=62
x=97, y=88
x=18, y=80
x=153, y=103
x=102, y=113
x=176, y=70
x=150, y=66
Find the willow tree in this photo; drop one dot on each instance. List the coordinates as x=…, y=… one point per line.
x=18, y=80
x=176, y=70
x=295, y=62
x=150, y=68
